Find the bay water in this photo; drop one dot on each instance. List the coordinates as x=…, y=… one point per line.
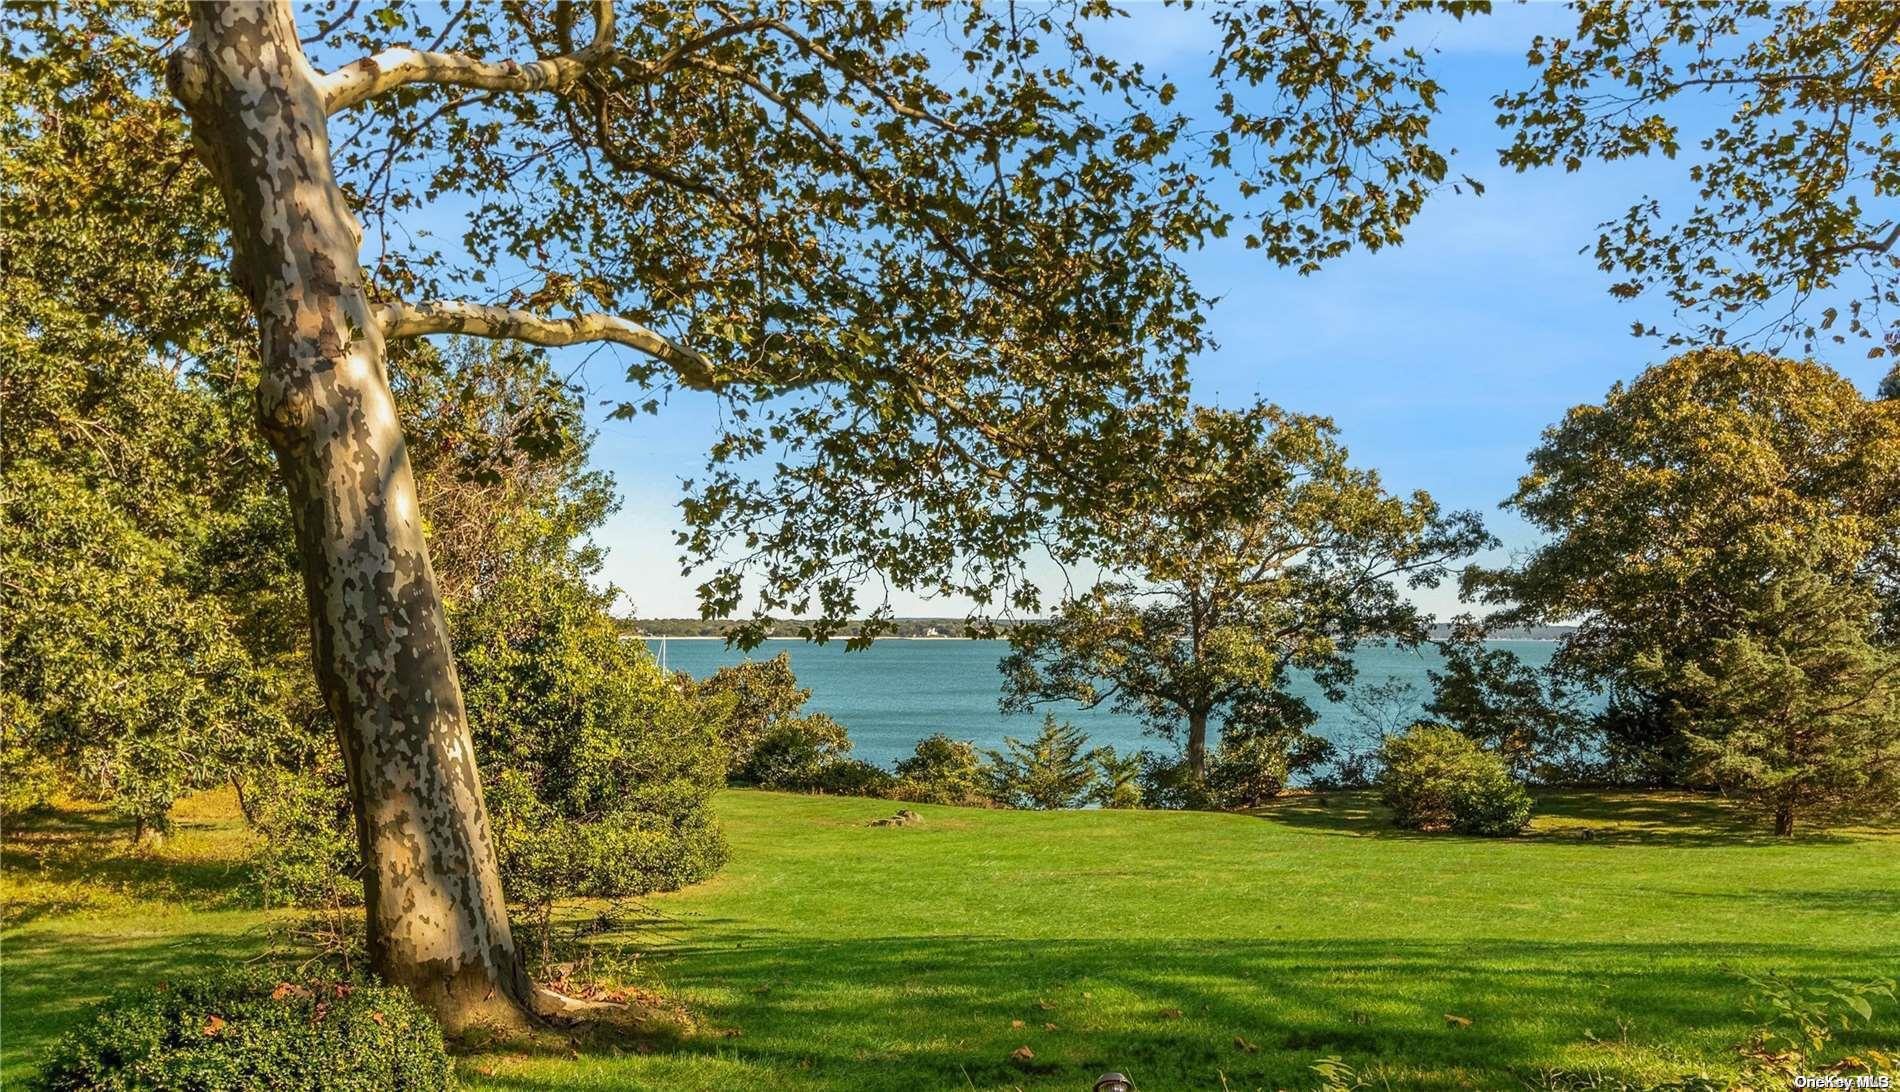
x=898, y=691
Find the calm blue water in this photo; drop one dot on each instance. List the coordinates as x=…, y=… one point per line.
x=896, y=692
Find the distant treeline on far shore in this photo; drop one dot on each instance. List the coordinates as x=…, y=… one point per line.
x=959, y=627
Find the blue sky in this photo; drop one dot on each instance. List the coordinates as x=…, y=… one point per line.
x=1441, y=361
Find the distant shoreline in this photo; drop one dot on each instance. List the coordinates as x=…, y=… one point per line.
x=953, y=629
x=802, y=640
x=881, y=640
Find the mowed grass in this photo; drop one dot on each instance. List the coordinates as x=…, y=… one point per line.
x=1187, y=950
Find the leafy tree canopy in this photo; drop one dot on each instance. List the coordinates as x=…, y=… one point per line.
x=753, y=697
x=1705, y=478
x=601, y=770
x=137, y=662
x=1270, y=552
x=925, y=254
x=1525, y=715
x=1796, y=168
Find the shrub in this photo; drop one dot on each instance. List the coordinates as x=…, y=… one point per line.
x=1117, y=780
x=855, y=777
x=308, y=856
x=761, y=693
x=1798, y=1021
x=1166, y=783
x=1436, y=778
x=1247, y=771
x=248, y=1030
x=1053, y=771
x=794, y=753
x=1596, y=1080
x=28, y=776
x=944, y=771
x=600, y=770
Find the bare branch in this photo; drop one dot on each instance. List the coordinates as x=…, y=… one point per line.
x=365, y=79
x=480, y=320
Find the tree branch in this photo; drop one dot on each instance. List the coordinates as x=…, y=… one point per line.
x=892, y=195
x=1876, y=246
x=365, y=79
x=480, y=320
x=884, y=95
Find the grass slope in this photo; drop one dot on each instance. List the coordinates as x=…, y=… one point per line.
x=1189, y=950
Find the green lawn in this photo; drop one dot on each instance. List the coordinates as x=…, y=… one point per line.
x=834, y=955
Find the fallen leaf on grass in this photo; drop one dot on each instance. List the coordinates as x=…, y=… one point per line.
x=1017, y=1024
x=1170, y=1014
x=214, y=1024
x=1022, y=1054
x=378, y=1017
x=1048, y=1027
x=1045, y=1006
x=1458, y=1021
x=1245, y=1045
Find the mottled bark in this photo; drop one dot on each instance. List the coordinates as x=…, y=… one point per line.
x=436, y=920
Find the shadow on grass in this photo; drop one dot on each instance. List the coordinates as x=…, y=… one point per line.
x=1605, y=818
x=1859, y=901
x=60, y=862
x=937, y=1011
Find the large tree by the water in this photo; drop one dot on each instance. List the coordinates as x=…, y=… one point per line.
x=1267, y=552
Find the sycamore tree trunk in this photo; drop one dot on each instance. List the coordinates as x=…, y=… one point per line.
x=436, y=920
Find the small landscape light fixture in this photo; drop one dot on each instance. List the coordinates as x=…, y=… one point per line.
x=1114, y=1082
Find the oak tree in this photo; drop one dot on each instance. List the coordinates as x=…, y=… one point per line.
x=1681, y=495
x=1263, y=551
